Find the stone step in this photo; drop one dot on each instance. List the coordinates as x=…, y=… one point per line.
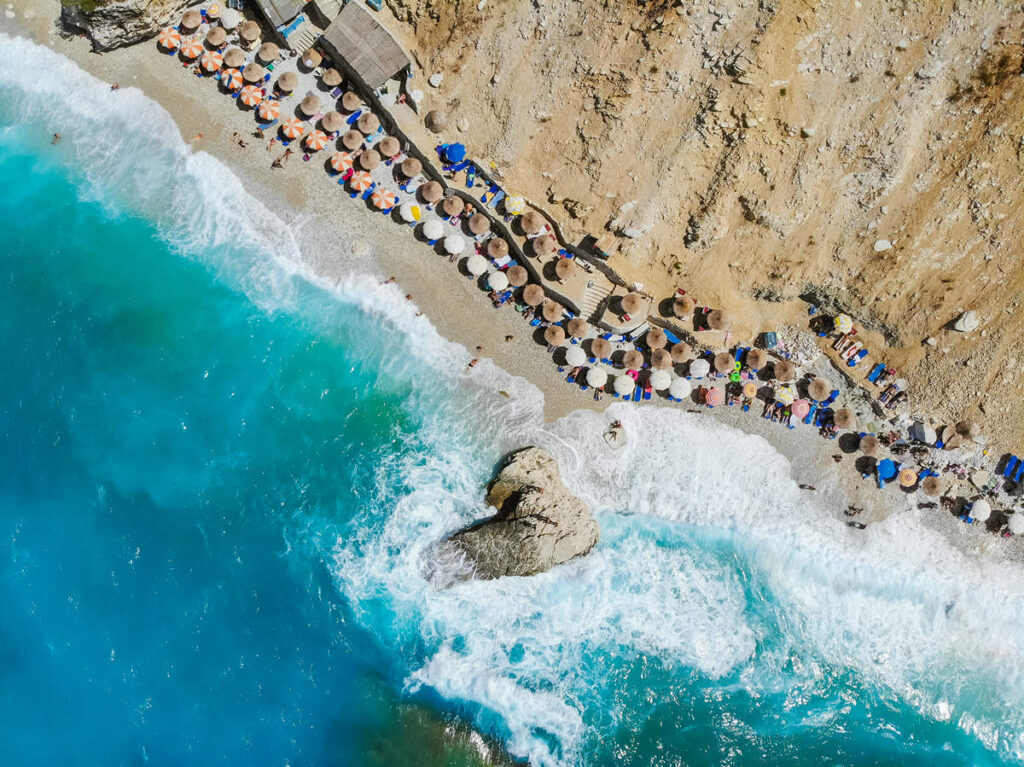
x=593, y=298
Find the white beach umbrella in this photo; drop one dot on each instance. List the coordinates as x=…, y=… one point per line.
x=981, y=510
x=597, y=377
x=660, y=380
x=409, y=211
x=1016, y=523
x=230, y=18
x=680, y=388
x=455, y=244
x=433, y=229
x=700, y=368
x=624, y=385
x=495, y=280
x=475, y=264
x=574, y=356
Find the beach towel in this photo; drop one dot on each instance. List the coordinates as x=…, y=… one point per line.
x=876, y=371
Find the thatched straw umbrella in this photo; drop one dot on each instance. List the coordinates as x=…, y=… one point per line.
x=479, y=224
x=532, y=222
x=578, y=327
x=968, y=429
x=389, y=146
x=411, y=167
x=310, y=105
x=287, y=82
x=369, y=159
x=724, y=363
x=818, y=389
x=368, y=123
x=332, y=122
x=431, y=191
x=498, y=248
x=350, y=101
x=633, y=359
x=533, y=295
x=784, y=371
x=249, y=31
x=191, y=19
x=253, y=73
x=869, y=444
x=234, y=58
x=436, y=121
x=268, y=53
x=681, y=352
x=452, y=205
x=216, y=37
x=565, y=268
x=332, y=78
x=544, y=245
x=756, y=359
x=352, y=140
x=631, y=303
x=933, y=486
x=517, y=276
x=718, y=320
x=661, y=359
x=600, y=348
x=844, y=419
x=311, y=58
x=554, y=335
x=683, y=307
x=656, y=338
x=551, y=311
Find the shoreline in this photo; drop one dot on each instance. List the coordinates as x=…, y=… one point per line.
x=336, y=233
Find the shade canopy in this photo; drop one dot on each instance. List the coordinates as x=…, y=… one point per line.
x=495, y=280
x=532, y=222
x=455, y=244
x=784, y=371
x=368, y=123
x=633, y=359
x=785, y=395
x=332, y=122
x=361, y=180
x=231, y=79
x=331, y=78
x=869, y=444
x=681, y=352
x=216, y=37
x=212, y=61
x=660, y=380
x=234, y=58
x=311, y=58
x=369, y=159
x=551, y=310
x=389, y=146
x=269, y=109
x=191, y=19
x=756, y=359
x=411, y=167
x=544, y=245
x=907, y=478
x=351, y=101
x=352, y=140
x=624, y=385
x=383, y=199
x=287, y=82
x=497, y=248
x=600, y=348
x=533, y=295
x=436, y=120
x=818, y=389
x=597, y=377
x=316, y=140
x=1015, y=523
x=631, y=303
x=932, y=486
x=253, y=73
x=433, y=229
x=565, y=268
x=169, y=39
x=431, y=191
x=750, y=389
x=656, y=338
x=268, y=52
x=680, y=388
x=574, y=355
x=578, y=327
x=800, y=408
x=249, y=31
x=661, y=359
x=310, y=105
x=479, y=224
x=475, y=264
x=718, y=320
x=554, y=335
x=714, y=396
x=250, y=96
x=517, y=276
x=700, y=368
x=843, y=323
x=683, y=307
x=190, y=49
x=844, y=419
x=452, y=205
x=409, y=211
x=724, y=363
x=515, y=204
x=341, y=162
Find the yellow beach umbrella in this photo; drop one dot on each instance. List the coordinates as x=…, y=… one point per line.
x=784, y=395
x=169, y=39
x=250, y=96
x=750, y=389
x=316, y=141
x=212, y=61
x=341, y=161
x=384, y=199
x=361, y=180
x=293, y=128
x=231, y=79
x=907, y=478
x=270, y=110
x=515, y=204
x=844, y=323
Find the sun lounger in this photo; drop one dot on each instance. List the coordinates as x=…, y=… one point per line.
x=1012, y=462
x=487, y=197
x=670, y=336
x=1019, y=474
x=354, y=116
x=637, y=393
x=368, y=192
x=855, y=359
x=810, y=413
x=876, y=371
x=647, y=392
x=496, y=199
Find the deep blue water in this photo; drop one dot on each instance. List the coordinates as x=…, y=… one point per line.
x=223, y=484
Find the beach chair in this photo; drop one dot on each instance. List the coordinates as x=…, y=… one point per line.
x=810, y=413
x=637, y=393
x=354, y=116
x=876, y=371
x=647, y=392
x=1012, y=462
x=1019, y=474
x=368, y=192
x=496, y=199
x=670, y=336
x=855, y=359
x=489, y=192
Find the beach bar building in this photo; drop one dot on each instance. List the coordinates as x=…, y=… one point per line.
x=358, y=41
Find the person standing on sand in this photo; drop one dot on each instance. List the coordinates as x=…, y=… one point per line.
x=271, y=144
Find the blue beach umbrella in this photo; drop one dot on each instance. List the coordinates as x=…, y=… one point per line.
x=455, y=153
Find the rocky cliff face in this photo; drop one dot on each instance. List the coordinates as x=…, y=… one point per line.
x=756, y=151
x=122, y=22
x=539, y=524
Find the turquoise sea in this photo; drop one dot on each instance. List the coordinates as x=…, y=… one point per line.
x=223, y=483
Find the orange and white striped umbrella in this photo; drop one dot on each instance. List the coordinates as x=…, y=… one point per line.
x=341, y=161
x=316, y=141
x=361, y=180
x=169, y=39
x=250, y=95
x=384, y=199
x=231, y=79
x=293, y=128
x=270, y=110
x=212, y=61
x=191, y=48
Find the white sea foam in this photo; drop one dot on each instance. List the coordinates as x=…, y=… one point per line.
x=894, y=603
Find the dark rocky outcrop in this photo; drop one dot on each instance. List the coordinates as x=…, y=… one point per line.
x=119, y=22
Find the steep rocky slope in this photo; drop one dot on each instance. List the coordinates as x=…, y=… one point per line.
x=760, y=150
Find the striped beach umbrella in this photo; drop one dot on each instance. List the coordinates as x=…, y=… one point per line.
x=714, y=396
x=383, y=199
x=169, y=39
x=212, y=61
x=784, y=396
x=361, y=180
x=191, y=48
x=231, y=79
x=316, y=140
x=844, y=323
x=293, y=128
x=341, y=161
x=515, y=204
x=251, y=96
x=800, y=408
x=269, y=110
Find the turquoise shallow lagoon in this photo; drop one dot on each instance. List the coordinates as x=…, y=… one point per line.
x=223, y=483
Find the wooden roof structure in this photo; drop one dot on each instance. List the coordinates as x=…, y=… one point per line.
x=280, y=12
x=357, y=38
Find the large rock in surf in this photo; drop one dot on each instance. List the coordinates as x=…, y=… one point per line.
x=539, y=523
x=114, y=23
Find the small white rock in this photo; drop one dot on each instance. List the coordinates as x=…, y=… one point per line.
x=903, y=44
x=882, y=246
x=967, y=321
x=931, y=341
x=807, y=131
x=435, y=80
x=481, y=4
